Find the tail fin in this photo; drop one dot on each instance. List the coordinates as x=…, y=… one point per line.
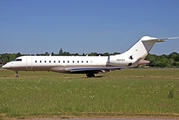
x=141, y=49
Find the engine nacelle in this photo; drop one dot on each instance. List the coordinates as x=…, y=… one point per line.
x=119, y=61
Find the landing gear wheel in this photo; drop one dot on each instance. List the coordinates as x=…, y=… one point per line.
x=17, y=75
x=90, y=74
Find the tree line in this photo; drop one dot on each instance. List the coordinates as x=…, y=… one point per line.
x=160, y=61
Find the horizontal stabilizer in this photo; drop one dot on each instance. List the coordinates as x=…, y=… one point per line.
x=152, y=39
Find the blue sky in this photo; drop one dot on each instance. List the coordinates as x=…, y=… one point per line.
x=84, y=26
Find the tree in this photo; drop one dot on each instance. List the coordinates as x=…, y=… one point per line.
x=60, y=52
x=18, y=54
x=93, y=54
x=115, y=53
x=152, y=59
x=106, y=54
x=174, y=56
x=75, y=54
x=46, y=54
x=174, y=59
x=52, y=54
x=7, y=57
x=66, y=53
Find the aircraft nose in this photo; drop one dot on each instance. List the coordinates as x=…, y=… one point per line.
x=6, y=66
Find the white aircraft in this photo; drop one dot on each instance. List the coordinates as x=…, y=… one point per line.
x=88, y=65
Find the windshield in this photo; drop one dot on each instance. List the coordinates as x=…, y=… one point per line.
x=18, y=60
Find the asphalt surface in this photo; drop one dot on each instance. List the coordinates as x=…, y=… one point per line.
x=127, y=118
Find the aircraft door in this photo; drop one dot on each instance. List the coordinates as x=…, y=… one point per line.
x=28, y=63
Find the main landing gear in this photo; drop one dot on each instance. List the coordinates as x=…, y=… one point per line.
x=17, y=75
x=90, y=74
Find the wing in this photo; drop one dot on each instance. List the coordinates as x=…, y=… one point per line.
x=94, y=69
x=86, y=69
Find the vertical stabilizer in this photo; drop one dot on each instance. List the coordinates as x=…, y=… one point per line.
x=142, y=47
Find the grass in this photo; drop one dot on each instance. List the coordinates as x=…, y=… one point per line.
x=134, y=92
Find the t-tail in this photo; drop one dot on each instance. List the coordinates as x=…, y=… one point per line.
x=141, y=49
x=137, y=53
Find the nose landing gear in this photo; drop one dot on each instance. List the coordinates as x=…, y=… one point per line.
x=17, y=75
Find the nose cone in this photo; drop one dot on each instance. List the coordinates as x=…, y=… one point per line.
x=6, y=66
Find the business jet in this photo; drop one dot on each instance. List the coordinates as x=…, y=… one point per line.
x=89, y=65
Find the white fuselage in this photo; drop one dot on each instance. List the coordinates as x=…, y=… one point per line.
x=62, y=63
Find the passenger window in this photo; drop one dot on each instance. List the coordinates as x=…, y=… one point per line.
x=59, y=61
x=54, y=61
x=40, y=61
x=67, y=61
x=63, y=61
x=81, y=61
x=77, y=61
x=86, y=61
x=35, y=61
x=45, y=61
x=73, y=61
x=49, y=61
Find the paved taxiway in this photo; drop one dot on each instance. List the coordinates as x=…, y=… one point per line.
x=128, y=118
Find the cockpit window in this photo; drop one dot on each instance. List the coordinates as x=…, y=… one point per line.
x=18, y=59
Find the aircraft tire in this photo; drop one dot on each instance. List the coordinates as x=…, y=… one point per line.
x=90, y=74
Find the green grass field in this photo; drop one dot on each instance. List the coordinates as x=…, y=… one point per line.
x=134, y=92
